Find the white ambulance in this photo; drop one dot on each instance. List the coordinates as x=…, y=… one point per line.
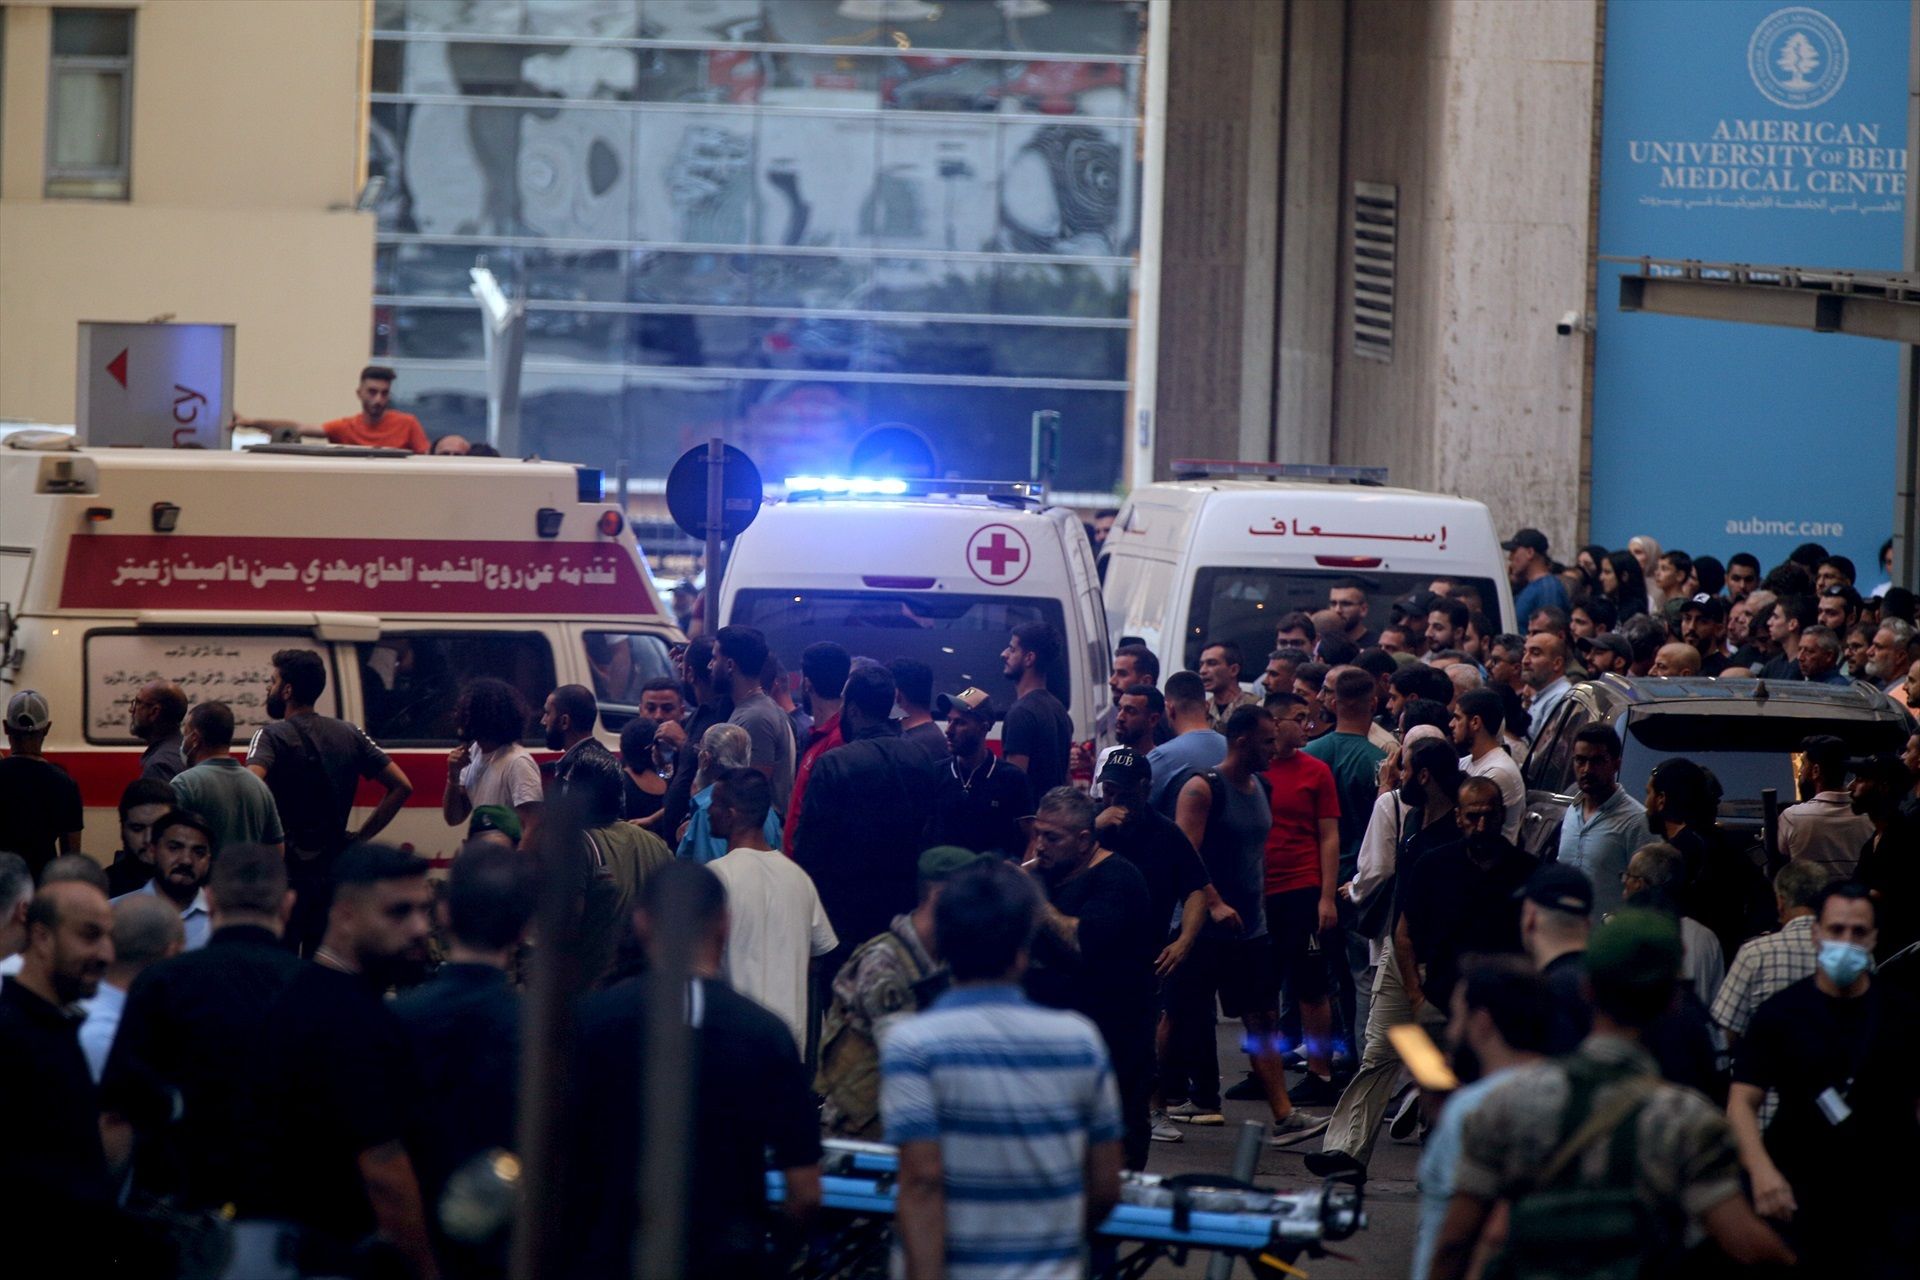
x=937, y=570
x=1225, y=549
x=409, y=575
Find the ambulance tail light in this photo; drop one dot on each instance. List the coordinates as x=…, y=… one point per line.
x=611, y=523
x=879, y=583
x=1347, y=562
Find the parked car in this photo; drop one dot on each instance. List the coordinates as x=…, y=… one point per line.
x=1745, y=731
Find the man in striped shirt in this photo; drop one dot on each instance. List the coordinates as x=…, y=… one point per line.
x=1006, y=1114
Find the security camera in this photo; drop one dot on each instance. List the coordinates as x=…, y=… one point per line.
x=1570, y=322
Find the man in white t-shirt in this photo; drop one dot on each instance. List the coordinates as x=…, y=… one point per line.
x=1477, y=716
x=777, y=923
x=490, y=766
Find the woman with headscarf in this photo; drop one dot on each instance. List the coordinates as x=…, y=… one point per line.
x=1623, y=582
x=1647, y=553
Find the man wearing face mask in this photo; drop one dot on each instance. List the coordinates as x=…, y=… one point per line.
x=1835, y=1168
x=1094, y=952
x=1498, y=1024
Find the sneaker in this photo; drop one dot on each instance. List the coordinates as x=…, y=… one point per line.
x=1294, y=1060
x=1314, y=1091
x=1163, y=1129
x=1248, y=1090
x=1297, y=1127
x=1193, y=1113
x=1406, y=1119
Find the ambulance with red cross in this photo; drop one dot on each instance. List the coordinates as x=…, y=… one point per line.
x=940, y=571
x=409, y=576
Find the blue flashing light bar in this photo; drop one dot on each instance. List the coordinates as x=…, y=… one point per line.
x=854, y=485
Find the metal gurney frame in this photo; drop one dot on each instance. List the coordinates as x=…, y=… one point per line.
x=1157, y=1217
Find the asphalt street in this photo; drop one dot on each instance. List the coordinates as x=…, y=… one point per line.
x=1379, y=1252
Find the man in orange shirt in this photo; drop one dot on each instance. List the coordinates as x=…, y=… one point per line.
x=375, y=426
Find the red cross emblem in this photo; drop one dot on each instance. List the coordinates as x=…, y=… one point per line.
x=998, y=554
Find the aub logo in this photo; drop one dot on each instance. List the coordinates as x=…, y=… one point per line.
x=1797, y=58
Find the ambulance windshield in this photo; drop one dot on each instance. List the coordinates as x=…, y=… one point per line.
x=959, y=636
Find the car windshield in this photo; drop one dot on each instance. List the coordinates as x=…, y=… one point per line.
x=1242, y=605
x=959, y=636
x=1764, y=756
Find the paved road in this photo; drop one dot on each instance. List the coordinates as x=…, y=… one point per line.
x=1380, y=1252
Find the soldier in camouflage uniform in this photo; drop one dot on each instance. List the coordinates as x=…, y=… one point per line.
x=889, y=976
x=1604, y=1165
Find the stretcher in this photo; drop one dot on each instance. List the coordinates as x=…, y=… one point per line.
x=1157, y=1217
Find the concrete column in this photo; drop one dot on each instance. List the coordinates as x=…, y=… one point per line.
x=1220, y=238
x=1312, y=225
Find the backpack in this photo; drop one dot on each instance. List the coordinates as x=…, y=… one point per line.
x=1559, y=1230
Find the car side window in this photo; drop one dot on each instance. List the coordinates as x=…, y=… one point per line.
x=1550, y=764
x=411, y=681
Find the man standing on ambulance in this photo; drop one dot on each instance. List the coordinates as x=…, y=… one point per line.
x=376, y=426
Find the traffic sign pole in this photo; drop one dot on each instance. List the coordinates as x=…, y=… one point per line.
x=716, y=517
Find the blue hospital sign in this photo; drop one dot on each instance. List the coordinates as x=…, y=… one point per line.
x=1743, y=131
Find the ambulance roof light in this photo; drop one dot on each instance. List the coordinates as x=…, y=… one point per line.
x=1017, y=492
x=1217, y=468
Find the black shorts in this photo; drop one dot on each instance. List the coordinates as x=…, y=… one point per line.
x=1240, y=970
x=1293, y=922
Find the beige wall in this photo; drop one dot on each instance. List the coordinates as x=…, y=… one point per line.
x=1482, y=113
x=245, y=144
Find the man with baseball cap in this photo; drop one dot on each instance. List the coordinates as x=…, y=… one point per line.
x=1535, y=585
x=1608, y=651
x=890, y=976
x=1703, y=624
x=979, y=797
x=40, y=815
x=1682, y=1167
x=1177, y=881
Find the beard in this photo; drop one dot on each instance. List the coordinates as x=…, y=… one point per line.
x=1412, y=796
x=276, y=707
x=556, y=741
x=1657, y=821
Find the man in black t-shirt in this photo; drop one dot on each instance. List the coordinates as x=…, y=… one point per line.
x=191, y=1030
x=1462, y=898
x=1178, y=890
x=40, y=815
x=1177, y=881
x=1039, y=733
x=750, y=1108
x=1094, y=953
x=1836, y=1164
x=313, y=765
x=337, y=1092
x=980, y=798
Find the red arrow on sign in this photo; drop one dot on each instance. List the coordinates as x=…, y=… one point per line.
x=118, y=367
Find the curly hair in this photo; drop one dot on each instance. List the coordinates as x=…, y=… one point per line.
x=491, y=710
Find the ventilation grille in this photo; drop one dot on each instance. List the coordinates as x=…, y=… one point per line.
x=1376, y=228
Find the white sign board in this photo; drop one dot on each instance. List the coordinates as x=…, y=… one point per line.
x=208, y=668
x=160, y=385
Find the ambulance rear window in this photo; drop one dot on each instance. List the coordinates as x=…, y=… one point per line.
x=1242, y=605
x=622, y=663
x=410, y=681
x=959, y=636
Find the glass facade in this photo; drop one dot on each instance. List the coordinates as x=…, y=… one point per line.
x=788, y=222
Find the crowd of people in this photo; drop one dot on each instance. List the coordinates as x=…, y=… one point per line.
x=256, y=1028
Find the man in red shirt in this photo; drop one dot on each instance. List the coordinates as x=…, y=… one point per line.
x=375, y=426
x=1303, y=860
x=824, y=667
